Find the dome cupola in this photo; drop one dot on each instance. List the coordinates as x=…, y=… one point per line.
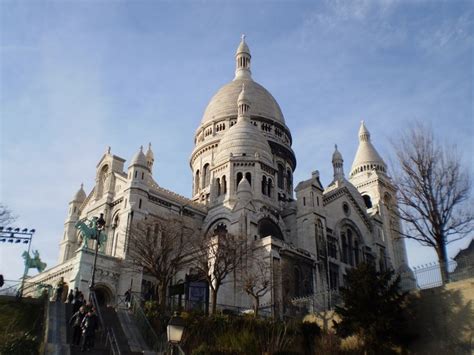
x=338, y=164
x=243, y=139
x=139, y=159
x=367, y=158
x=80, y=195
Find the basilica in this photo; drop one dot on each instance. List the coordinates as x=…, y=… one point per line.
x=308, y=234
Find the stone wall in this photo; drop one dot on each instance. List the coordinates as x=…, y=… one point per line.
x=444, y=319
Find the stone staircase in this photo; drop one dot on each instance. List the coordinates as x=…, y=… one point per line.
x=121, y=322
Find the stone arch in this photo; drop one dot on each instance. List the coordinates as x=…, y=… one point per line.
x=367, y=200
x=104, y=294
x=350, y=241
x=101, y=179
x=266, y=227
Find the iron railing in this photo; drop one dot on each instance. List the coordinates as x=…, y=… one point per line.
x=111, y=340
x=155, y=342
x=429, y=275
x=317, y=302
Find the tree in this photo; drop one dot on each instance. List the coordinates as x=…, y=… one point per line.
x=216, y=256
x=433, y=190
x=373, y=308
x=159, y=247
x=6, y=215
x=256, y=281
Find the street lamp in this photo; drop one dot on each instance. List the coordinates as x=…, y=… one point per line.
x=18, y=235
x=175, y=330
x=99, y=225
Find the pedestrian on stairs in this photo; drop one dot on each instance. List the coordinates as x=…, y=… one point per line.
x=89, y=325
x=70, y=297
x=75, y=322
x=128, y=297
x=59, y=289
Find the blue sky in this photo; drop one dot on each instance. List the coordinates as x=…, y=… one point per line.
x=78, y=76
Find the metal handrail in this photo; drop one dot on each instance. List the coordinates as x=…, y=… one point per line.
x=112, y=341
x=152, y=339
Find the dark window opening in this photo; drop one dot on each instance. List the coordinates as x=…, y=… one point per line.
x=367, y=200
x=266, y=227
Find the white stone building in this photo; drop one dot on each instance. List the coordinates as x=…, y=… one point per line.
x=242, y=168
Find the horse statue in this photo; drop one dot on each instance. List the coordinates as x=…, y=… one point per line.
x=89, y=231
x=33, y=262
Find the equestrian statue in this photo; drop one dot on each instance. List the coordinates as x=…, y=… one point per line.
x=89, y=231
x=33, y=262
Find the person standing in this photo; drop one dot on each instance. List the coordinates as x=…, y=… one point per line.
x=70, y=297
x=128, y=297
x=59, y=289
x=89, y=325
x=75, y=322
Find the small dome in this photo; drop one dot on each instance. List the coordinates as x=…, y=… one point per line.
x=244, y=139
x=149, y=153
x=80, y=195
x=139, y=158
x=223, y=104
x=244, y=190
x=243, y=47
x=336, y=156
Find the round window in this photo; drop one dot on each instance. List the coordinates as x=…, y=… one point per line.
x=346, y=209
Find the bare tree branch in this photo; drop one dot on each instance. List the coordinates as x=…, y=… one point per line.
x=434, y=191
x=160, y=248
x=6, y=216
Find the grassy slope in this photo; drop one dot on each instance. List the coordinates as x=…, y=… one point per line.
x=18, y=319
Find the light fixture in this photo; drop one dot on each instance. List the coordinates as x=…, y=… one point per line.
x=175, y=329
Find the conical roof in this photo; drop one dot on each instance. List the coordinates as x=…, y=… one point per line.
x=243, y=47
x=367, y=157
x=80, y=195
x=139, y=158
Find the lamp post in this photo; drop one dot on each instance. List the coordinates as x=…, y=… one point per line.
x=17, y=235
x=99, y=227
x=175, y=330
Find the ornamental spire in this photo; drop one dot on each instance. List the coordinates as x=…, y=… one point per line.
x=337, y=164
x=242, y=61
x=243, y=105
x=367, y=158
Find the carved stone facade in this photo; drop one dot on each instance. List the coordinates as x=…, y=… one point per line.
x=242, y=174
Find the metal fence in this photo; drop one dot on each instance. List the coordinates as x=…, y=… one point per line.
x=156, y=342
x=429, y=275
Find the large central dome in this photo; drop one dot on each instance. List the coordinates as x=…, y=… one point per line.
x=223, y=102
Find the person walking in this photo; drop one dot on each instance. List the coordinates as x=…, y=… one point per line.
x=59, y=289
x=89, y=325
x=75, y=322
x=78, y=302
x=128, y=298
x=70, y=297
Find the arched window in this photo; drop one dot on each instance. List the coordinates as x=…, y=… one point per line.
x=264, y=185
x=218, y=183
x=239, y=178
x=349, y=247
x=367, y=200
x=270, y=188
x=197, y=181
x=289, y=180
x=207, y=175
x=224, y=185
x=281, y=172
x=266, y=227
x=344, y=248
x=248, y=176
